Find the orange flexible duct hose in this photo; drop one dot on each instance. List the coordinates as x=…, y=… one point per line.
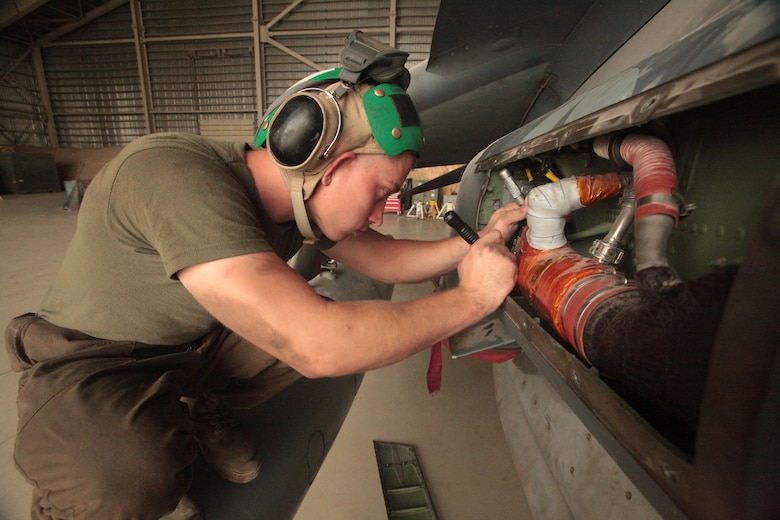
x=652, y=337
x=561, y=284
x=593, y=188
x=566, y=287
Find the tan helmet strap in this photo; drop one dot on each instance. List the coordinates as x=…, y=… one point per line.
x=299, y=209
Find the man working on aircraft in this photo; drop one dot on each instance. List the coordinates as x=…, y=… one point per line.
x=175, y=289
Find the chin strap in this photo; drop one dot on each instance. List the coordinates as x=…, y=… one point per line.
x=299, y=209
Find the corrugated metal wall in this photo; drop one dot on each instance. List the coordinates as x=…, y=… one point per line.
x=21, y=117
x=191, y=60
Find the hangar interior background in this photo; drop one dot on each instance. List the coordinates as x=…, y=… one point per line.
x=81, y=78
x=97, y=73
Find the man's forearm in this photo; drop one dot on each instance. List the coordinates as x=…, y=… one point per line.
x=365, y=335
x=402, y=261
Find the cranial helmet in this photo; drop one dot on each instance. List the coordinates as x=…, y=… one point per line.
x=365, y=111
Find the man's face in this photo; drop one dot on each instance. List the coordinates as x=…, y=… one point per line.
x=351, y=197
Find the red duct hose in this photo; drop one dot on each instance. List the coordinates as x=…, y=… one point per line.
x=654, y=337
x=566, y=287
x=655, y=177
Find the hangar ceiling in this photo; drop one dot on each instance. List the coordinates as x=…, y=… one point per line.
x=31, y=21
x=91, y=73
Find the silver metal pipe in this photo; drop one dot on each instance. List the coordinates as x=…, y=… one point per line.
x=610, y=249
x=511, y=186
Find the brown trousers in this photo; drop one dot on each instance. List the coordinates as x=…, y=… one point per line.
x=102, y=430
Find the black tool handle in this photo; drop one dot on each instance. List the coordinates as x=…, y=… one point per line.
x=464, y=230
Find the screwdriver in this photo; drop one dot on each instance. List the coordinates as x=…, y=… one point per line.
x=466, y=232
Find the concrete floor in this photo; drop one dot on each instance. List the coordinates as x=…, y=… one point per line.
x=456, y=432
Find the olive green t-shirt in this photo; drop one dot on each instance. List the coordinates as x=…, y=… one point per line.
x=165, y=202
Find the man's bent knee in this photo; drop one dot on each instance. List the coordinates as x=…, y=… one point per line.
x=109, y=445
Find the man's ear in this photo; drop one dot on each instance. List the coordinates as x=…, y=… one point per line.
x=339, y=162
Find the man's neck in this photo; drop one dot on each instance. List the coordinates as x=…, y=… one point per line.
x=270, y=185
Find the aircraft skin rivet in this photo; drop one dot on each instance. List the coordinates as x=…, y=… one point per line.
x=379, y=92
x=396, y=133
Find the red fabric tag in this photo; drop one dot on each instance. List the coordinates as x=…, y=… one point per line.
x=434, y=369
x=495, y=356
